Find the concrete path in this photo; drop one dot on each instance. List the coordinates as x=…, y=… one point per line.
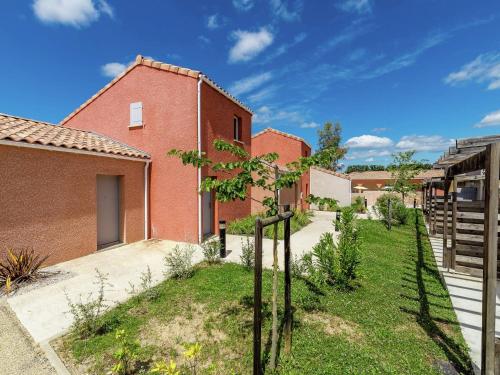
x=43, y=309
x=301, y=241
x=466, y=296
x=18, y=353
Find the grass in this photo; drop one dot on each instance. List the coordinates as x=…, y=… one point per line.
x=246, y=225
x=398, y=320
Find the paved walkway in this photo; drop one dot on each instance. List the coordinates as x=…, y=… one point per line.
x=300, y=242
x=466, y=296
x=43, y=309
x=18, y=352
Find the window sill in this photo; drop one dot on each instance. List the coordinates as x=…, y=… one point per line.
x=136, y=126
x=237, y=141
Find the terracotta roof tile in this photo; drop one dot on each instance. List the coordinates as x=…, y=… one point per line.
x=272, y=130
x=337, y=174
x=19, y=129
x=386, y=175
x=140, y=60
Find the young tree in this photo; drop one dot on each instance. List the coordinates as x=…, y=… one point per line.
x=329, y=137
x=404, y=169
x=246, y=172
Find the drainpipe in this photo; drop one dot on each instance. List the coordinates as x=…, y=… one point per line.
x=146, y=200
x=200, y=79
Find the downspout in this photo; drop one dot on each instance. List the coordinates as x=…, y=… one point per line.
x=200, y=80
x=146, y=200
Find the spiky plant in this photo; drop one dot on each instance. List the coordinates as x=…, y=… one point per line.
x=19, y=266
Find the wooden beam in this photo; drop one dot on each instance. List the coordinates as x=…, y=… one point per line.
x=257, y=299
x=434, y=209
x=492, y=166
x=288, y=290
x=446, y=253
x=453, y=261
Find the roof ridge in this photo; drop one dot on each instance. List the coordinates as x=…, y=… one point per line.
x=141, y=60
x=334, y=173
x=27, y=119
x=293, y=136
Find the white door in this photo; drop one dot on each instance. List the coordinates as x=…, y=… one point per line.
x=208, y=213
x=108, y=211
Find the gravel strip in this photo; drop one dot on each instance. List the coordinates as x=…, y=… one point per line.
x=18, y=352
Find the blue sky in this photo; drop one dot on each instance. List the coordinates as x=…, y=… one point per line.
x=397, y=75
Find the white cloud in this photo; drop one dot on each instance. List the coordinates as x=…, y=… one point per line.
x=285, y=47
x=483, y=69
x=355, y=6
x=350, y=33
x=366, y=154
x=379, y=130
x=249, y=44
x=491, y=119
x=285, y=11
x=266, y=115
x=204, y=39
x=309, y=125
x=214, y=21
x=368, y=141
x=369, y=160
x=431, y=143
x=76, y=13
x=263, y=94
x=249, y=83
x=112, y=69
x=243, y=5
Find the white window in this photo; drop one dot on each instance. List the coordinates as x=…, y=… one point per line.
x=237, y=128
x=136, y=114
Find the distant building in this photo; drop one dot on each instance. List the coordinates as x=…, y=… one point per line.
x=372, y=184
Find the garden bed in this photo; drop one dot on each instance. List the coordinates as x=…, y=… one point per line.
x=398, y=319
x=246, y=226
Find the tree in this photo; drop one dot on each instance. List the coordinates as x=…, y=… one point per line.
x=404, y=169
x=364, y=168
x=329, y=137
x=246, y=172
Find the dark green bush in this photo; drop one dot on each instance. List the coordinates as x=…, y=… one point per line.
x=399, y=212
x=359, y=205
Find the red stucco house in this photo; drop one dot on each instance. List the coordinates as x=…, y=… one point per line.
x=103, y=177
x=290, y=148
x=155, y=107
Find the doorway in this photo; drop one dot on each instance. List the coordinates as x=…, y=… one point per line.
x=208, y=214
x=108, y=211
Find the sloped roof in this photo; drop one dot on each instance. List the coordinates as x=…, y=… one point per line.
x=140, y=60
x=337, y=174
x=22, y=130
x=386, y=175
x=272, y=130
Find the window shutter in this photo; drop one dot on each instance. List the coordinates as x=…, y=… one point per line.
x=136, y=114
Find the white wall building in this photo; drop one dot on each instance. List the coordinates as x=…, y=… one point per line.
x=330, y=184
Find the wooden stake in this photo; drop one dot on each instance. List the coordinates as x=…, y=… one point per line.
x=274, y=337
x=492, y=165
x=454, y=207
x=288, y=290
x=257, y=299
x=446, y=254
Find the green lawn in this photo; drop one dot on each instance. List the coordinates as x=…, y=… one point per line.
x=398, y=320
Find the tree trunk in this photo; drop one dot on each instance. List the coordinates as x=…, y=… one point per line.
x=274, y=341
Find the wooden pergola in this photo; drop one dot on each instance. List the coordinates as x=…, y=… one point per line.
x=471, y=155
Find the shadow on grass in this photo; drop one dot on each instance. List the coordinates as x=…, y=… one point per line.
x=456, y=355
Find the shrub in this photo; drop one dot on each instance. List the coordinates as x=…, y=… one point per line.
x=399, y=212
x=179, y=262
x=125, y=355
x=245, y=226
x=86, y=314
x=323, y=203
x=335, y=264
x=211, y=251
x=359, y=205
x=19, y=266
x=145, y=287
x=298, y=267
x=247, y=253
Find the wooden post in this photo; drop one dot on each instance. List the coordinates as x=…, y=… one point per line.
x=257, y=299
x=288, y=288
x=429, y=209
x=446, y=253
x=434, y=210
x=454, y=207
x=492, y=165
x=389, y=214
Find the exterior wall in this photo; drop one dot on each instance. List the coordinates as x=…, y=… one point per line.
x=217, y=123
x=170, y=121
x=289, y=150
x=327, y=185
x=48, y=201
